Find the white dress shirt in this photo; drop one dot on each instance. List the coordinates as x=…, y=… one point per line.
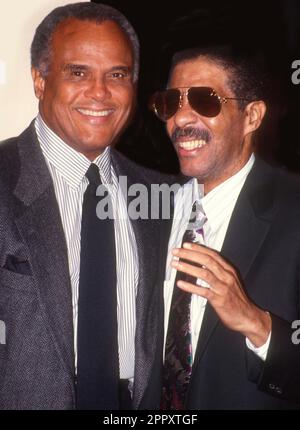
x=67, y=168
x=218, y=206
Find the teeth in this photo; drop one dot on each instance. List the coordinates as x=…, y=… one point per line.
x=192, y=144
x=94, y=112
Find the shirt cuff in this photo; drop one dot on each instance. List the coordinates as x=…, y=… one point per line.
x=260, y=351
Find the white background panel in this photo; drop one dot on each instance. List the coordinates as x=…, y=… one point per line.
x=18, y=21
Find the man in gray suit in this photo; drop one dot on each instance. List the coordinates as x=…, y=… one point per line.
x=84, y=69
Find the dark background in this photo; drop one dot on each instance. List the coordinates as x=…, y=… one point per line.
x=271, y=27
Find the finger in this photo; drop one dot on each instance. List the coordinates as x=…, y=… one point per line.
x=205, y=261
x=203, y=250
x=207, y=293
x=189, y=256
x=198, y=272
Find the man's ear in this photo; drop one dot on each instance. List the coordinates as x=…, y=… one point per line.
x=255, y=112
x=38, y=83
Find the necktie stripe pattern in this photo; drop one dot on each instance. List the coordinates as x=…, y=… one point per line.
x=178, y=350
x=98, y=365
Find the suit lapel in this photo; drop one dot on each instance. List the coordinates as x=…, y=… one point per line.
x=40, y=226
x=247, y=230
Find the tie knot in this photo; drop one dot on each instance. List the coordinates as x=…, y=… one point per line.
x=93, y=175
x=198, y=217
x=195, y=225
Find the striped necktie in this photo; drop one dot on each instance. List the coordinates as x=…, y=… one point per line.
x=178, y=349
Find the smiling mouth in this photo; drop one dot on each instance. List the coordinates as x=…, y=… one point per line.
x=192, y=144
x=95, y=113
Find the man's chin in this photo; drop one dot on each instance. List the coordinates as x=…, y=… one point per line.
x=187, y=168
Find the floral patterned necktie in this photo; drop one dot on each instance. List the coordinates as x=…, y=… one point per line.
x=178, y=349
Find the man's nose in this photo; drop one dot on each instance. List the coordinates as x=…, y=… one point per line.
x=185, y=115
x=98, y=90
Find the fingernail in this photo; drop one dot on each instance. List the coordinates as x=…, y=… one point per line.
x=187, y=245
x=174, y=263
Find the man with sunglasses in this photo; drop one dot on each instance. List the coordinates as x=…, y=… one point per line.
x=241, y=301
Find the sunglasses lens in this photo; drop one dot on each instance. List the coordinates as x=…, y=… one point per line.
x=165, y=103
x=204, y=102
x=202, y=99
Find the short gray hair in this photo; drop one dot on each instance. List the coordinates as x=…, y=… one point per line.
x=94, y=12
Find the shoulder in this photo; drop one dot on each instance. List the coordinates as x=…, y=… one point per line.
x=285, y=184
x=274, y=187
x=10, y=155
x=288, y=196
x=137, y=173
x=263, y=175
x=9, y=162
x=8, y=147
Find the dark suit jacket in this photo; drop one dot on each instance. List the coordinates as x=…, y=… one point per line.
x=263, y=243
x=37, y=358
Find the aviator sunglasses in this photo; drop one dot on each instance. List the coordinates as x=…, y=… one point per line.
x=204, y=100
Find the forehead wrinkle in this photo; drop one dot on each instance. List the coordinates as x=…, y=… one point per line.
x=202, y=71
x=70, y=66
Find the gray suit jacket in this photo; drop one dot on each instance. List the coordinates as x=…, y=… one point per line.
x=36, y=343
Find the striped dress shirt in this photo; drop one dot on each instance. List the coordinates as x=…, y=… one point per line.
x=67, y=168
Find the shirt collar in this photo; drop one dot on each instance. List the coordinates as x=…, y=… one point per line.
x=220, y=201
x=71, y=164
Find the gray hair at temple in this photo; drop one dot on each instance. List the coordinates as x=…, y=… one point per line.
x=94, y=12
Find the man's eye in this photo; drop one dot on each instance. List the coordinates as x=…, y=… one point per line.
x=78, y=73
x=119, y=75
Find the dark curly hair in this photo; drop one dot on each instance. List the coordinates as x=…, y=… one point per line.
x=248, y=78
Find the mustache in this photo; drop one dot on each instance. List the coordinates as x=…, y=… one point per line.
x=192, y=133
